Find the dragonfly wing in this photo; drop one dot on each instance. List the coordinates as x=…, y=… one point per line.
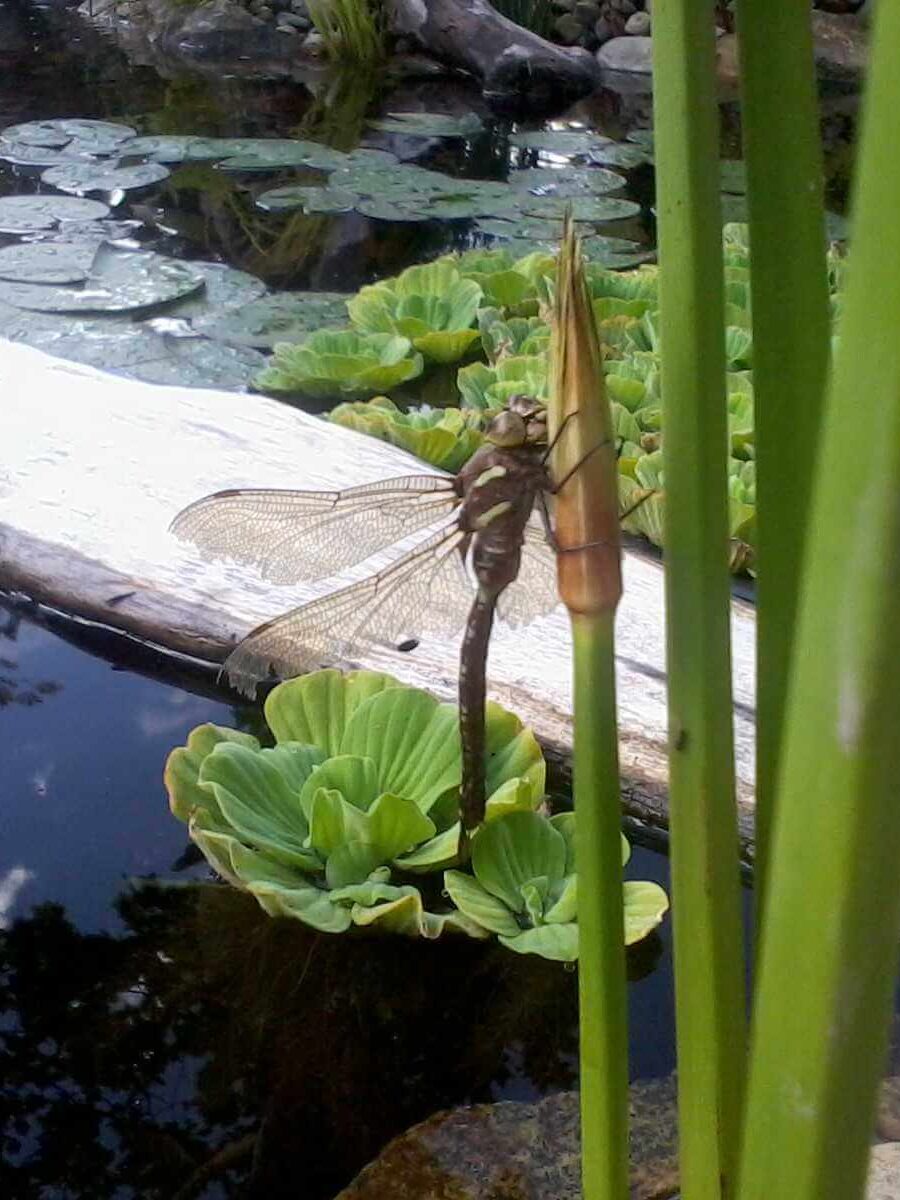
x=294, y=536
x=534, y=592
x=425, y=592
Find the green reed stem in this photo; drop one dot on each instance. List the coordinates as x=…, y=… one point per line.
x=783, y=150
x=709, y=969
x=829, y=945
x=601, y=923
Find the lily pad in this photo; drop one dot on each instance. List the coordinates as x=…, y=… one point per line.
x=105, y=229
x=226, y=288
x=391, y=210
x=425, y=124
x=310, y=199
x=620, y=154
x=369, y=156
x=37, y=262
x=20, y=154
x=582, y=208
x=572, y=142
x=568, y=181
x=274, y=154
x=96, y=177
x=120, y=281
x=171, y=149
x=32, y=214
x=105, y=136
x=284, y=317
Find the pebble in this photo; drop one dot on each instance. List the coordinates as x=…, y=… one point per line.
x=313, y=41
x=634, y=54
x=295, y=20
x=568, y=28
x=291, y=29
x=587, y=12
x=625, y=7
x=603, y=31
x=638, y=24
x=264, y=12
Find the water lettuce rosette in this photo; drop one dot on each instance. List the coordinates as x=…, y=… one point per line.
x=432, y=305
x=361, y=786
x=340, y=363
x=523, y=887
x=444, y=437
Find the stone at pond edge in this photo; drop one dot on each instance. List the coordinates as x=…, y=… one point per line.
x=884, y=1172
x=519, y=1152
x=633, y=54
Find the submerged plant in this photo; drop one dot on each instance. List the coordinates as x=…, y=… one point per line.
x=524, y=888
x=361, y=785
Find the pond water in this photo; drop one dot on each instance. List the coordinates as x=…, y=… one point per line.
x=153, y=1022
x=160, y=1036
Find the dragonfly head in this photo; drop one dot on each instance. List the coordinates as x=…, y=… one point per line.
x=523, y=422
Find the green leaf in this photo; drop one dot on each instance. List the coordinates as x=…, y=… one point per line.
x=564, y=906
x=406, y=915
x=282, y=893
x=514, y=850
x=512, y=752
x=645, y=906
x=257, y=799
x=334, y=822
x=515, y=795
x=79, y=178
x=444, y=437
x=335, y=363
x=396, y=825
x=439, y=852
x=183, y=766
x=479, y=905
x=413, y=740
x=556, y=942
x=356, y=779
x=315, y=709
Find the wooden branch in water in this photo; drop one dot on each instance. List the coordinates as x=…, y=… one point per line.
x=514, y=64
x=95, y=467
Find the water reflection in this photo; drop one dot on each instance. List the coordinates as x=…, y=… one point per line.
x=211, y=1042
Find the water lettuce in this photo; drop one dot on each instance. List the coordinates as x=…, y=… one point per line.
x=432, y=305
x=361, y=786
x=444, y=437
x=340, y=363
x=523, y=887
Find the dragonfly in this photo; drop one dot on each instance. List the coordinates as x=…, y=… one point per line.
x=489, y=550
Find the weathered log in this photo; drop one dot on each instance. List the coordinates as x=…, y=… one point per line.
x=516, y=67
x=94, y=468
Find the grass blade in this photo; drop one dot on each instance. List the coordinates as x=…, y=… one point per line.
x=709, y=969
x=833, y=903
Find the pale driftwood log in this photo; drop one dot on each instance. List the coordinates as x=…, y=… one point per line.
x=94, y=467
x=512, y=63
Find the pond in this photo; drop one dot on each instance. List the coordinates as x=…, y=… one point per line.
x=161, y=1037
x=154, y=1022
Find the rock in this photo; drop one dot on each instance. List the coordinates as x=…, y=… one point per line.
x=587, y=13
x=569, y=28
x=563, y=5
x=638, y=24
x=313, y=41
x=603, y=31
x=840, y=46
x=888, y=1122
x=279, y=6
x=884, y=1172
x=295, y=20
x=299, y=7
x=632, y=54
x=264, y=13
x=625, y=7
x=291, y=29
x=519, y=1150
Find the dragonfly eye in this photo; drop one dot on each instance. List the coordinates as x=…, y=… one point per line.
x=507, y=429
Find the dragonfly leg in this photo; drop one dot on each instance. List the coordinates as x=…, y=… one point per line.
x=558, y=487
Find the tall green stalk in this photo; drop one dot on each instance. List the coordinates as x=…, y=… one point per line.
x=703, y=821
x=782, y=147
x=590, y=585
x=829, y=946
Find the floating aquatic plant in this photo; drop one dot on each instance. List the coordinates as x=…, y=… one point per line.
x=432, y=305
x=341, y=363
x=444, y=437
x=361, y=787
x=523, y=887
